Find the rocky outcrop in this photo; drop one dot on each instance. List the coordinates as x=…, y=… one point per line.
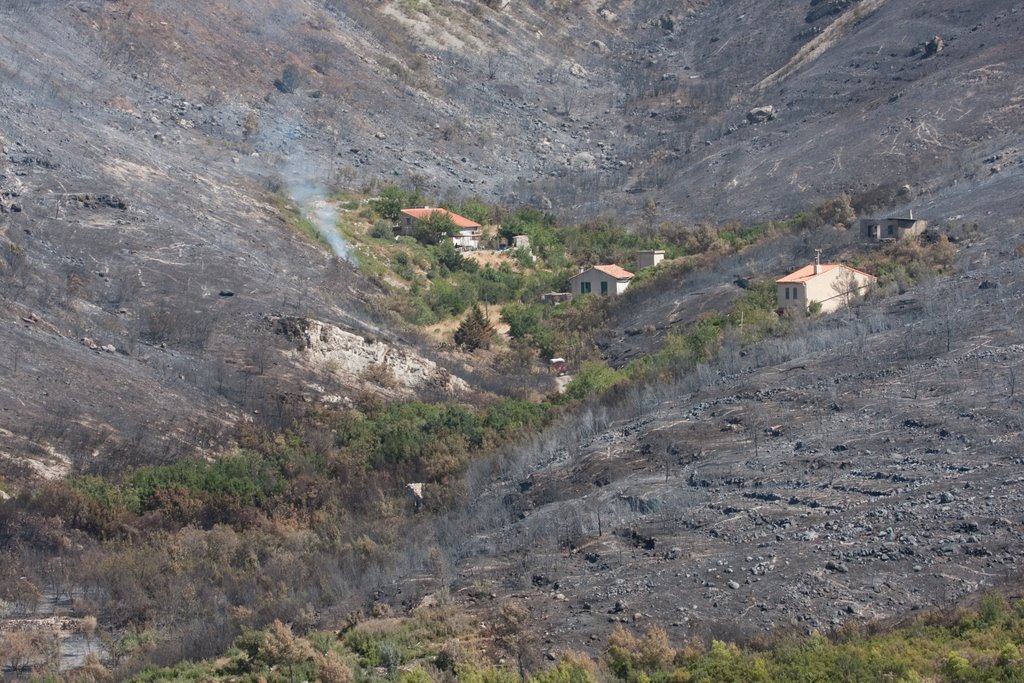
x=330, y=349
x=761, y=114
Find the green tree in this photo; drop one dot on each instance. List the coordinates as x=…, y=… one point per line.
x=393, y=199
x=435, y=228
x=475, y=331
x=448, y=256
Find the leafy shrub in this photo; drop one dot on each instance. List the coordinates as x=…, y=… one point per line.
x=435, y=228
x=573, y=667
x=593, y=378
x=393, y=199
x=449, y=257
x=382, y=230
x=522, y=319
x=447, y=300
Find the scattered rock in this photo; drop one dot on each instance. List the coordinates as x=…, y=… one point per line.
x=761, y=114
x=934, y=46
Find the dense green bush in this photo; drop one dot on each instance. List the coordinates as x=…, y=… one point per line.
x=593, y=378
x=522, y=319
x=393, y=199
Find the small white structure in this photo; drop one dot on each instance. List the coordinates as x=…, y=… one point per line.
x=519, y=242
x=830, y=284
x=648, y=258
x=468, y=239
x=609, y=280
x=415, y=491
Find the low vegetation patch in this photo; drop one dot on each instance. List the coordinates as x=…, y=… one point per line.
x=981, y=645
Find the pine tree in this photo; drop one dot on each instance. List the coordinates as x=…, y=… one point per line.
x=475, y=331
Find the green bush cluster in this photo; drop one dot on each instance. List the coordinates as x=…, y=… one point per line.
x=393, y=199
x=985, y=645
x=274, y=476
x=751, y=318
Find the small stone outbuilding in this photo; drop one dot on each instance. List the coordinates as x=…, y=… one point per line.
x=893, y=228
x=648, y=258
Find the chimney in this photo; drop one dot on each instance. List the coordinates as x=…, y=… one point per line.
x=817, y=261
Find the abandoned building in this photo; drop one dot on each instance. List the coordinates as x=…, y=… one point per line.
x=894, y=228
x=608, y=280
x=648, y=258
x=469, y=231
x=519, y=242
x=832, y=285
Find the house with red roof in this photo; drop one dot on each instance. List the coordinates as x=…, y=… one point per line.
x=469, y=233
x=610, y=280
x=832, y=285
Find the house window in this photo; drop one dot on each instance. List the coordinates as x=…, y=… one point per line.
x=889, y=230
x=795, y=294
x=584, y=288
x=787, y=292
x=604, y=287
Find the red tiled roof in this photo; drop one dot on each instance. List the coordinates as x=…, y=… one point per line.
x=807, y=272
x=615, y=272
x=426, y=212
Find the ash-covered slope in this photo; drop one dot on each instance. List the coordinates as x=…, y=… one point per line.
x=584, y=107
x=153, y=296
x=145, y=142
x=864, y=470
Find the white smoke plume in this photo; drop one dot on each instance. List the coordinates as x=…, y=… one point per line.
x=311, y=196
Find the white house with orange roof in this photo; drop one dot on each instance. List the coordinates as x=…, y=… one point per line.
x=469, y=231
x=830, y=284
x=610, y=280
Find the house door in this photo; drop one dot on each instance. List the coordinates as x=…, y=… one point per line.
x=604, y=288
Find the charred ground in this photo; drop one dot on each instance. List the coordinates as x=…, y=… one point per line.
x=155, y=295
x=861, y=471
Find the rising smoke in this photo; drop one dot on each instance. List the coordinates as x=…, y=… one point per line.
x=311, y=196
